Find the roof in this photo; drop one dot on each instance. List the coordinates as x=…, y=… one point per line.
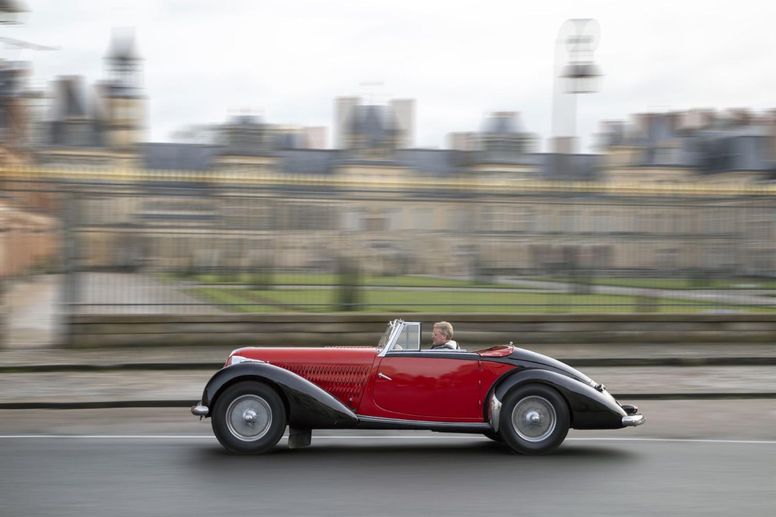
x=75, y=133
x=376, y=123
x=502, y=123
x=245, y=120
x=190, y=157
x=506, y=156
x=432, y=162
x=75, y=123
x=69, y=98
x=736, y=152
x=574, y=167
x=11, y=79
x=307, y=161
x=716, y=146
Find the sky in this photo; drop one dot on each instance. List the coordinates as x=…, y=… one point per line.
x=287, y=60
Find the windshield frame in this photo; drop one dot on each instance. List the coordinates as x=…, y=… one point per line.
x=389, y=337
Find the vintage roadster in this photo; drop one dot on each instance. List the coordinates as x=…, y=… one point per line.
x=525, y=399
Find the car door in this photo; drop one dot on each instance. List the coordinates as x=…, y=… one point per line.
x=429, y=385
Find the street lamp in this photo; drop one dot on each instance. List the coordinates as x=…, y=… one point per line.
x=576, y=72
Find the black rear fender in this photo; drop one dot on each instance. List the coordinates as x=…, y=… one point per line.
x=590, y=408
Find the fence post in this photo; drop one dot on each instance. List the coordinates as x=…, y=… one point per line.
x=4, y=310
x=70, y=263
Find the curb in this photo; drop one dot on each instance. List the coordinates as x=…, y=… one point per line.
x=49, y=368
x=150, y=404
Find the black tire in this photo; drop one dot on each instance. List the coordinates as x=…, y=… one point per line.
x=534, y=419
x=249, y=417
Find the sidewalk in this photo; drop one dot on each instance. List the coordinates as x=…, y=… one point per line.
x=203, y=357
x=148, y=388
x=175, y=377
x=720, y=297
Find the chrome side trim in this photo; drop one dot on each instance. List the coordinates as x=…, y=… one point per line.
x=494, y=412
x=632, y=420
x=200, y=410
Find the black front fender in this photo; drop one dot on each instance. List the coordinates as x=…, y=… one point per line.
x=590, y=408
x=308, y=405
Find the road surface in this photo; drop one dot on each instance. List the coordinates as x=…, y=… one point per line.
x=152, y=462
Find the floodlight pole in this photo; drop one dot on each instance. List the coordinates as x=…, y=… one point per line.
x=574, y=67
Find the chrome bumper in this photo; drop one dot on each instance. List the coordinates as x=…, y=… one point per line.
x=632, y=420
x=200, y=410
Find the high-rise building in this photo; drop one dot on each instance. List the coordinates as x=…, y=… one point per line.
x=343, y=111
x=404, y=111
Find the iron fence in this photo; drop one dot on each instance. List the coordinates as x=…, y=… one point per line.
x=205, y=243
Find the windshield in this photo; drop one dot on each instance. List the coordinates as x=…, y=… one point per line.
x=386, y=335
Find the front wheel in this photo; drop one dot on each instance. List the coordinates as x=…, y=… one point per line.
x=249, y=417
x=534, y=419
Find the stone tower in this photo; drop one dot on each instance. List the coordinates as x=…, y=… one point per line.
x=123, y=101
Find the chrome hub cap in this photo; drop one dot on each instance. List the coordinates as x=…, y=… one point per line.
x=248, y=417
x=534, y=418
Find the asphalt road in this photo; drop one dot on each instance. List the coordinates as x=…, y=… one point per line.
x=378, y=475
x=105, y=462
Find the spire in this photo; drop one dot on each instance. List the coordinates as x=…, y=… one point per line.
x=123, y=63
x=122, y=46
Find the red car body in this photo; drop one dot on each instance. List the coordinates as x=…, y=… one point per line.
x=435, y=387
x=525, y=399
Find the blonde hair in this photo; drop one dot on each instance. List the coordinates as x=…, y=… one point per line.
x=445, y=327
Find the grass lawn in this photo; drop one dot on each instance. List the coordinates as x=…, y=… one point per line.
x=330, y=279
x=386, y=300
x=669, y=283
x=234, y=300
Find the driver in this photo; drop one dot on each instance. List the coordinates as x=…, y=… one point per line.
x=442, y=337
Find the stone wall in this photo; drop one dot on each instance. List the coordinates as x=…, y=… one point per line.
x=472, y=331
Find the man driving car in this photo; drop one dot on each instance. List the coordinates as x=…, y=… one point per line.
x=442, y=337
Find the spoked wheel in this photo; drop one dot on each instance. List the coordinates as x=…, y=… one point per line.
x=534, y=419
x=249, y=417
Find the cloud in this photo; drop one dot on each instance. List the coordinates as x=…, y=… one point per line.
x=459, y=60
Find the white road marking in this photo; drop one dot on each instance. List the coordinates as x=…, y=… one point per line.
x=109, y=436
x=682, y=440
x=367, y=437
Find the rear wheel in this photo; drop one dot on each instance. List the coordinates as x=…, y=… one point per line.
x=534, y=419
x=249, y=417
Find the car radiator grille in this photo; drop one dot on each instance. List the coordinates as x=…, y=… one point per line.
x=345, y=383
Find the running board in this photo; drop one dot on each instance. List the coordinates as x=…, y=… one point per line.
x=370, y=422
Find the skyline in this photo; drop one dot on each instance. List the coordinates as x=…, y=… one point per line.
x=459, y=62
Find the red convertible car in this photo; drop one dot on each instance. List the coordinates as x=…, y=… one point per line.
x=527, y=400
